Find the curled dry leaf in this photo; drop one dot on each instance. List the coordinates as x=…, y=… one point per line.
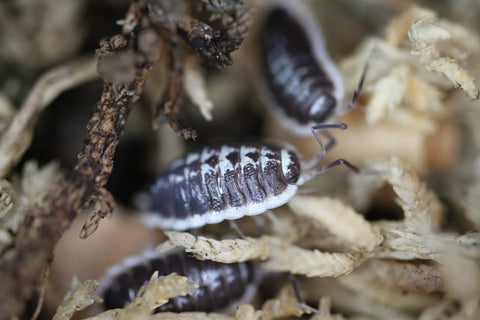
x=196, y=90
x=426, y=34
x=160, y=289
x=150, y=296
x=401, y=242
x=389, y=297
x=339, y=219
x=422, y=209
x=401, y=92
x=325, y=307
x=403, y=276
x=226, y=251
x=279, y=254
x=351, y=302
x=247, y=312
x=311, y=263
x=396, y=32
x=396, y=91
x=78, y=298
x=284, y=304
x=26, y=190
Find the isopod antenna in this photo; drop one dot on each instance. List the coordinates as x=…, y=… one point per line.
x=356, y=94
x=317, y=128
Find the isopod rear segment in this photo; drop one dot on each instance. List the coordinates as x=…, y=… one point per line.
x=220, y=284
x=221, y=182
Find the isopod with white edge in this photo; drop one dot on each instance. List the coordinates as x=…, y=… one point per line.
x=225, y=182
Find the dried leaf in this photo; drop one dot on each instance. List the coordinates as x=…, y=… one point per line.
x=311, y=263
x=227, y=251
x=340, y=220
x=404, y=276
x=285, y=304
x=247, y=312
x=196, y=90
x=422, y=209
x=78, y=298
x=425, y=35
x=150, y=296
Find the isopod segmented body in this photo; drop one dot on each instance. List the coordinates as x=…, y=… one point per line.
x=222, y=182
x=300, y=80
x=220, y=284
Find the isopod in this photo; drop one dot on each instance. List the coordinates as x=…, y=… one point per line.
x=298, y=78
x=221, y=285
x=225, y=182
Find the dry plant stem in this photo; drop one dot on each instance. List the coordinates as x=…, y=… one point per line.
x=43, y=288
x=43, y=225
x=214, y=46
x=170, y=107
x=405, y=276
x=18, y=135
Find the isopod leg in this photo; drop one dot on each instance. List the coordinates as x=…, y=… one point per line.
x=323, y=149
x=309, y=174
x=334, y=164
x=356, y=94
x=302, y=303
x=234, y=227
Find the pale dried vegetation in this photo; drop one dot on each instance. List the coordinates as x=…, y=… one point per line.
x=417, y=130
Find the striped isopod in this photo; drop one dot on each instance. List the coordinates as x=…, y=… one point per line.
x=221, y=285
x=224, y=182
x=299, y=79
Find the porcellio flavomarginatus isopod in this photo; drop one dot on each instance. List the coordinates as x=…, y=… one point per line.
x=298, y=78
x=221, y=285
x=225, y=182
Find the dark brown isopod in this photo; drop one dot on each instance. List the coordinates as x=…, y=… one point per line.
x=300, y=80
x=220, y=285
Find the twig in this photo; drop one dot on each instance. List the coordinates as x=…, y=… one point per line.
x=18, y=135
